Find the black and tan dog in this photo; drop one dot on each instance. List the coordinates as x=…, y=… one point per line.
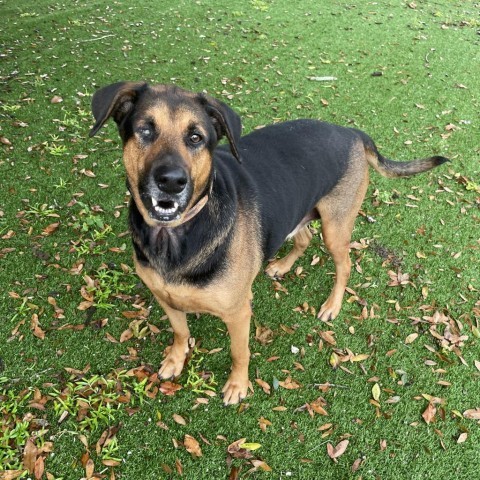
x=205, y=217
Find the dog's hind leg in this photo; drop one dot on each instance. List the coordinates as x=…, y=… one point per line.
x=338, y=211
x=279, y=267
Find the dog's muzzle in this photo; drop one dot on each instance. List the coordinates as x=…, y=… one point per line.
x=167, y=193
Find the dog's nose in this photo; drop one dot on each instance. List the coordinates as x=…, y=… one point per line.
x=170, y=179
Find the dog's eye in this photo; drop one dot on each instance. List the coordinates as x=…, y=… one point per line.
x=195, y=138
x=145, y=133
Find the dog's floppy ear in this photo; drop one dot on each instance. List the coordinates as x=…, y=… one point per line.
x=225, y=120
x=116, y=100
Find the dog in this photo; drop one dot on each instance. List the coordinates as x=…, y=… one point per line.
x=205, y=217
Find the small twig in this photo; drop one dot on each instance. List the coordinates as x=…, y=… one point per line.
x=318, y=446
x=95, y=39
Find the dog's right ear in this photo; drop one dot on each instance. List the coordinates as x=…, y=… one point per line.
x=116, y=100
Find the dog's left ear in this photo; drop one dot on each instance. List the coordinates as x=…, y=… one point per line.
x=225, y=120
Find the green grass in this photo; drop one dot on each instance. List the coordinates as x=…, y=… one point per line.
x=406, y=73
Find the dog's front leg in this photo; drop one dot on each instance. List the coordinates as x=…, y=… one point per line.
x=172, y=364
x=236, y=388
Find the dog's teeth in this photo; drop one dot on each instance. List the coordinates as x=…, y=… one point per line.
x=175, y=206
x=154, y=202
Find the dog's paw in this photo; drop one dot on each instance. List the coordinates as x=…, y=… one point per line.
x=171, y=367
x=329, y=310
x=275, y=269
x=235, y=390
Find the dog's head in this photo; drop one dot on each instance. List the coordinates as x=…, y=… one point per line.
x=169, y=136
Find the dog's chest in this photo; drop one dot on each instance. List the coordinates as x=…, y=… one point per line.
x=182, y=297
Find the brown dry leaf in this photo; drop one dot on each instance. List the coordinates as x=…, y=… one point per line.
x=398, y=278
x=192, y=446
x=11, y=474
x=126, y=335
x=85, y=306
x=89, y=468
x=264, y=385
x=179, y=466
x=339, y=450
x=8, y=235
x=30, y=453
x=39, y=468
x=317, y=406
x=462, y=438
x=53, y=227
x=472, y=414
x=327, y=336
x=169, y=388
x=35, y=327
x=87, y=173
x=179, y=419
x=264, y=423
x=236, y=451
x=429, y=413
x=5, y=141
x=234, y=473
x=259, y=464
x=290, y=384
x=56, y=99
x=411, y=338
x=263, y=335
x=356, y=464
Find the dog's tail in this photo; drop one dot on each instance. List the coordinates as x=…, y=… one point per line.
x=394, y=169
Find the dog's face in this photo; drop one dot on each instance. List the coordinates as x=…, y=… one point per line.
x=169, y=136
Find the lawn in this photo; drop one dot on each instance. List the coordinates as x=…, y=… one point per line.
x=388, y=390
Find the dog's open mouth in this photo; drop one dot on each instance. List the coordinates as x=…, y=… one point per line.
x=164, y=210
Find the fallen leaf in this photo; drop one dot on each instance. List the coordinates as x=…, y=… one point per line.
x=260, y=464
x=328, y=337
x=472, y=414
x=235, y=450
x=30, y=453
x=289, y=384
x=264, y=423
x=56, y=99
x=376, y=392
x=356, y=464
x=462, y=438
x=250, y=446
x=169, y=388
x=53, y=227
x=339, y=450
x=12, y=474
x=179, y=419
x=429, y=413
x=264, y=385
x=35, y=326
x=411, y=338
x=89, y=468
x=192, y=446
